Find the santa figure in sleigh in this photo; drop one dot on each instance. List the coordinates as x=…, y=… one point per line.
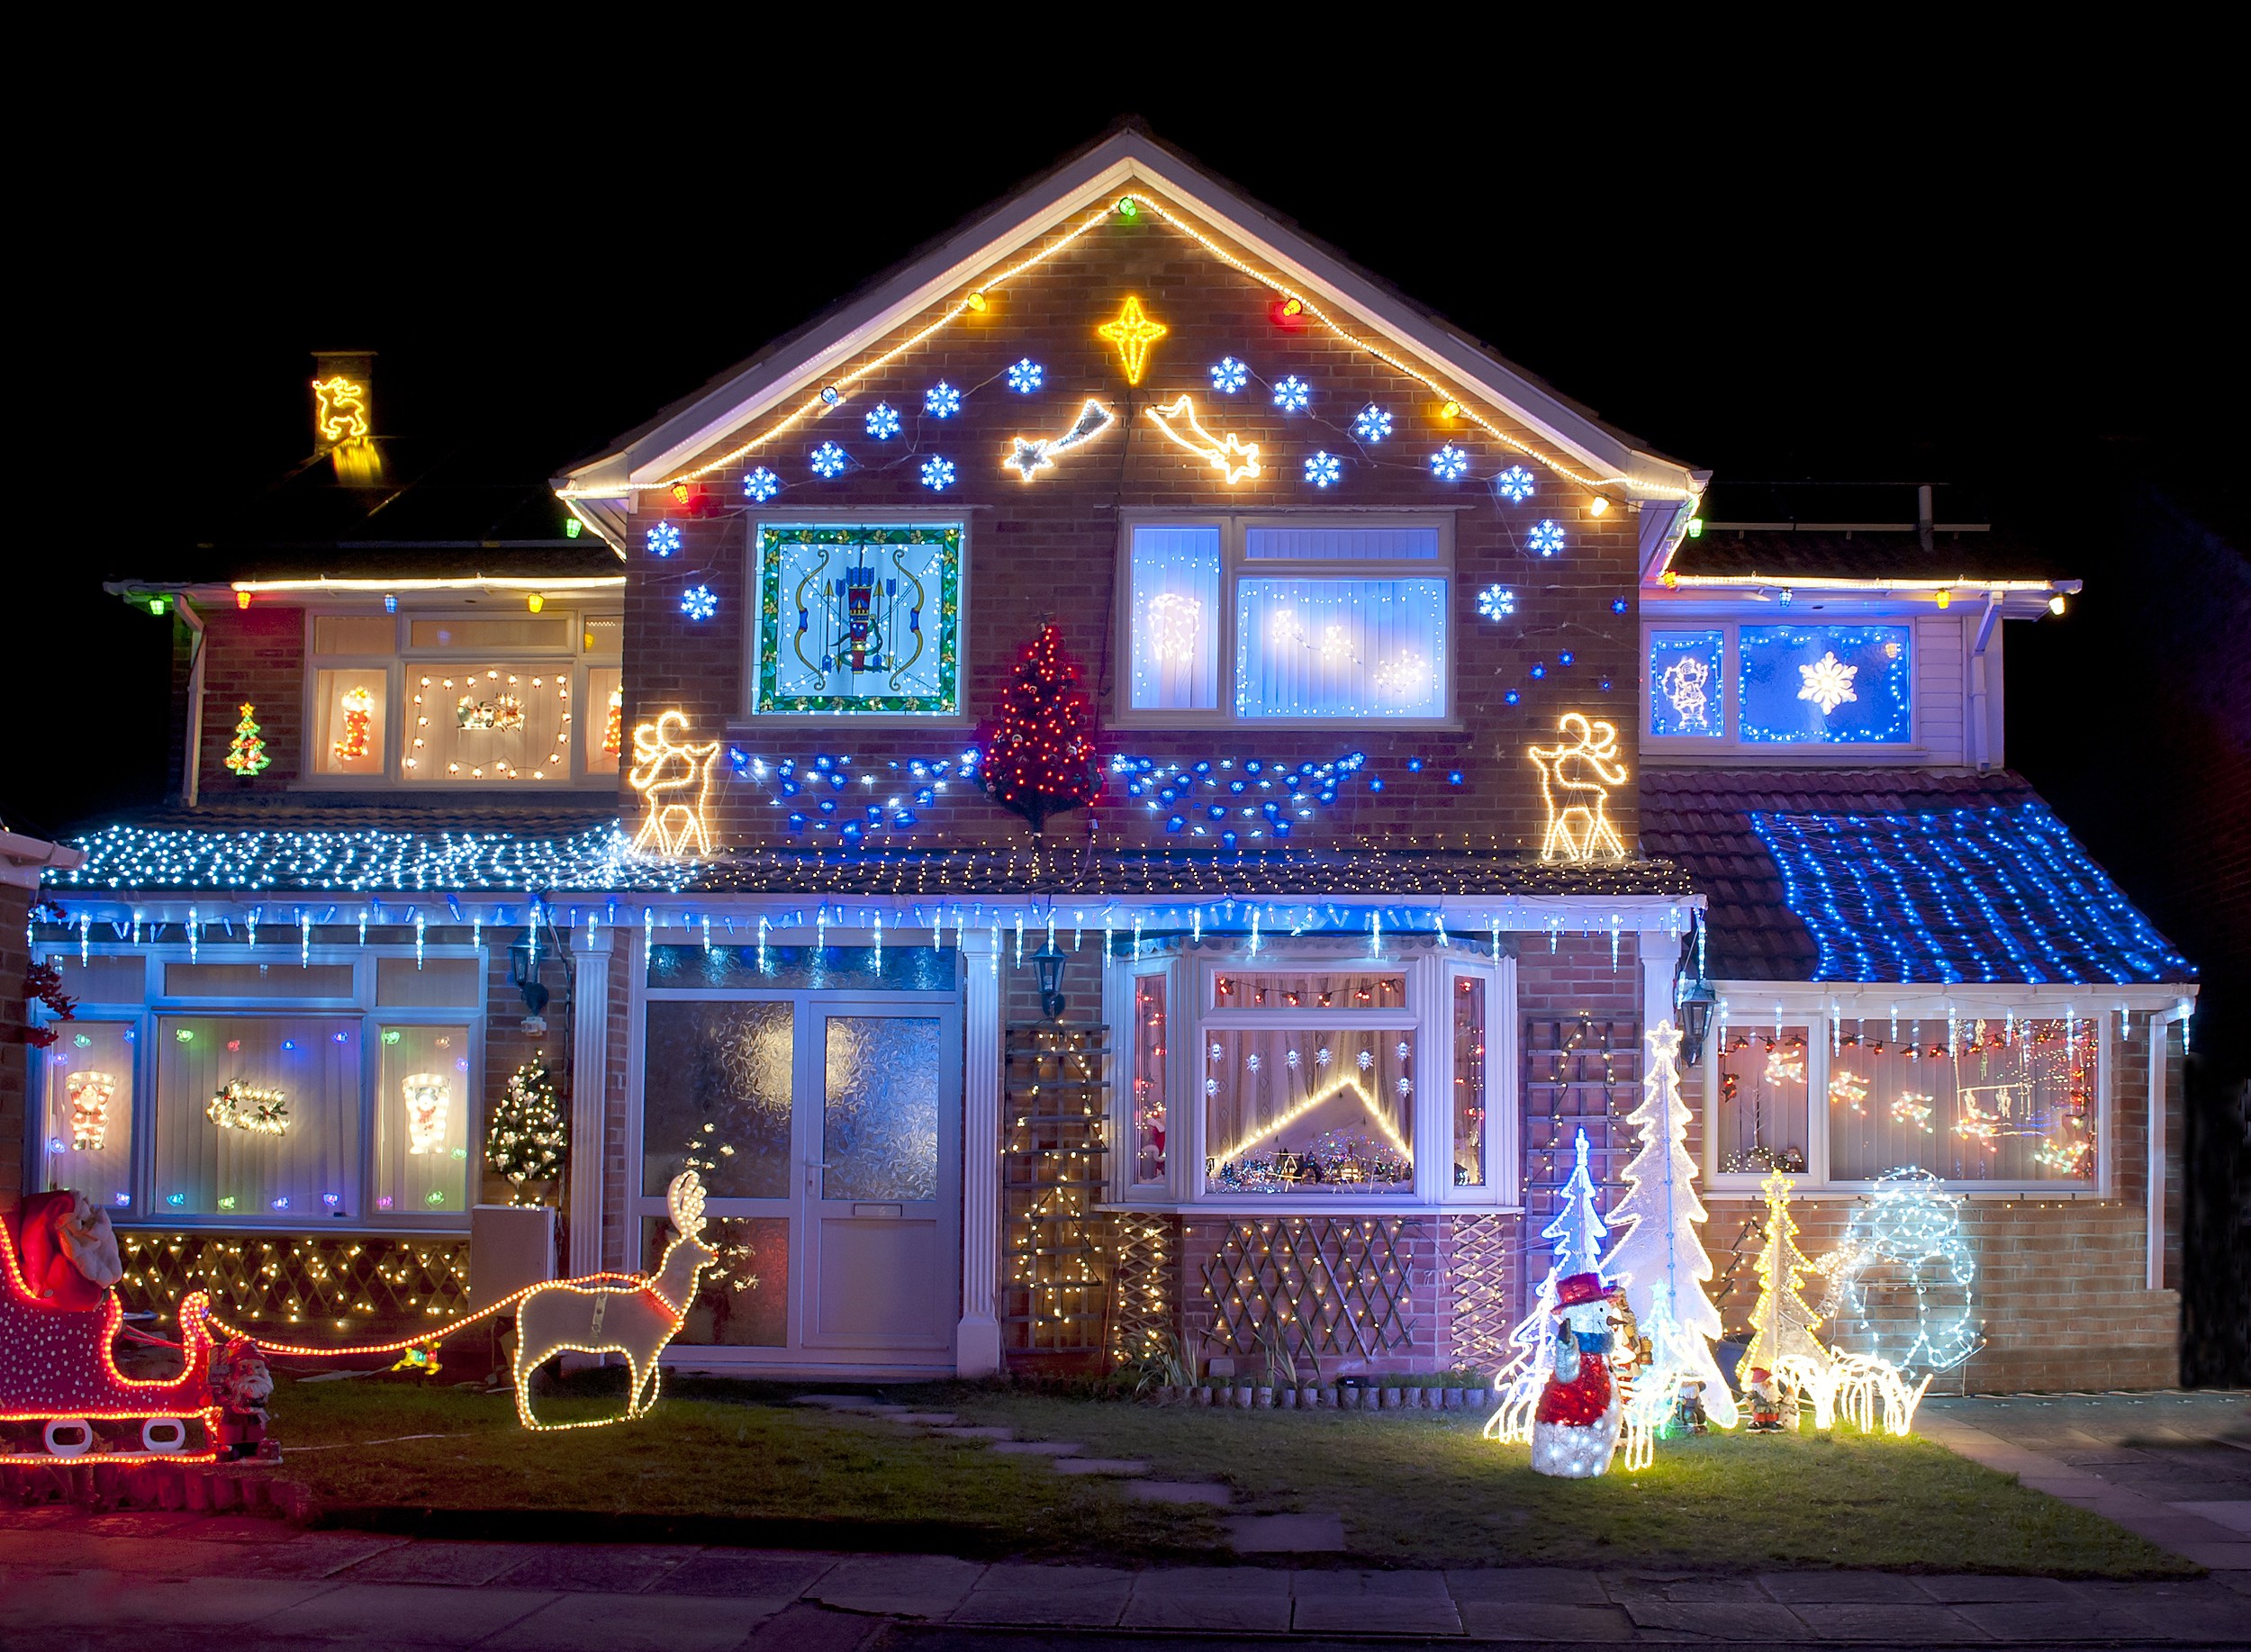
x=1574, y=1430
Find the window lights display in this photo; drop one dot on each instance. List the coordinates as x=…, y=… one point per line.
x=1148, y=1081
x=1468, y=1108
x=501, y=722
x=1687, y=671
x=1850, y=685
x=422, y=1126
x=255, y=1114
x=604, y=727
x=1764, y=1107
x=1310, y=1109
x=1991, y=1098
x=858, y=620
x=88, y=1123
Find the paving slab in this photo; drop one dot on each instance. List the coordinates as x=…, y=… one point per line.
x=903, y=1585
x=1729, y=1621
x=838, y=1402
x=738, y=1574
x=1949, y=1587
x=1286, y=1534
x=1120, y=1466
x=1387, y=1603
x=2042, y=1622
x=1552, y=1586
x=992, y=1431
x=927, y=1419
x=1893, y=1621
x=1237, y=1599
x=99, y=1599
x=1843, y=1588
x=1075, y=1596
x=439, y=1616
x=1206, y=1492
x=1038, y=1448
x=316, y=1554
x=433, y=1562
x=636, y=1623
x=803, y=1628
x=1545, y=1620
x=1693, y=1588
x=596, y=1568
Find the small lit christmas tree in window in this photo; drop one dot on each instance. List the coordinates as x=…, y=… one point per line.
x=247, y=756
x=1040, y=758
x=526, y=1138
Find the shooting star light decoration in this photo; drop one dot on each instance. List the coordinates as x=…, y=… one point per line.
x=1033, y=455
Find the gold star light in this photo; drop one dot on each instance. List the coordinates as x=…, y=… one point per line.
x=1133, y=332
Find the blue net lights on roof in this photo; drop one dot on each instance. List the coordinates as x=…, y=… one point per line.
x=1998, y=894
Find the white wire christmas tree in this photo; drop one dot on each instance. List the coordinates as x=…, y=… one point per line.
x=1578, y=1232
x=1782, y=1324
x=1661, y=1261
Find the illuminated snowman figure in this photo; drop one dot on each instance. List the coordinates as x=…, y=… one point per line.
x=1575, y=1428
x=429, y=1101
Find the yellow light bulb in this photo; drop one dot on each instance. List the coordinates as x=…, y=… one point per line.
x=1946, y=598
x=535, y=601
x=976, y=301
x=2055, y=604
x=1453, y=410
x=1597, y=505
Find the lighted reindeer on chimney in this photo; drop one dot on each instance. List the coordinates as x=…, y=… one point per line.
x=636, y=1318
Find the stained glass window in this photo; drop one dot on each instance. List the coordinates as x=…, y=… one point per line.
x=859, y=620
x=1687, y=685
x=1843, y=685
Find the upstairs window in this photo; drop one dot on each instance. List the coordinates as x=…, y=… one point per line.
x=1765, y=685
x=1243, y=619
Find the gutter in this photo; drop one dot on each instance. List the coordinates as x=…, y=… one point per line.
x=24, y=860
x=1981, y=736
x=2154, y=1261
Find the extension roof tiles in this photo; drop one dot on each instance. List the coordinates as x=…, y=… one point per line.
x=1894, y=875
x=1805, y=530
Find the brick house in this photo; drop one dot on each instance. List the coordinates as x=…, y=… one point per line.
x=1404, y=668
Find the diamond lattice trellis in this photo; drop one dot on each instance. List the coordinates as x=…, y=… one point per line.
x=1321, y=1285
x=337, y=1282
x=1145, y=1286
x=1481, y=1278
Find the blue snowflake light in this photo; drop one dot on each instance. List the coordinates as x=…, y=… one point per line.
x=761, y=485
x=1229, y=375
x=941, y=400
x=1026, y=377
x=1496, y=603
x=1293, y=395
x=882, y=422
x=937, y=474
x=1324, y=469
x=829, y=460
x=1449, y=464
x=1547, y=538
x=1617, y=605
x=1513, y=485
x=1372, y=425
x=698, y=602
x=663, y=539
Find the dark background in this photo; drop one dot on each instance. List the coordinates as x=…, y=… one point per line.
x=1881, y=263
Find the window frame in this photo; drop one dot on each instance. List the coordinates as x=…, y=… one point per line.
x=1191, y=973
x=1730, y=743
x=360, y=1005
x=1757, y=1003
x=1234, y=564
x=579, y=662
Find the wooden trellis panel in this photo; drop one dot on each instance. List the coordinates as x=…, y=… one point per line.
x=1484, y=1302
x=1144, y=1287
x=1579, y=1074
x=337, y=1282
x=1321, y=1285
x=1055, y=1292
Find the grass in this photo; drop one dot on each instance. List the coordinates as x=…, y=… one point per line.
x=735, y=1461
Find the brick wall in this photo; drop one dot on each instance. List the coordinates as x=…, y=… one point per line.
x=1049, y=548
x=256, y=655
x=15, y=1055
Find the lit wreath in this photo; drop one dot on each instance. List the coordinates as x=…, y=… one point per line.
x=240, y=1105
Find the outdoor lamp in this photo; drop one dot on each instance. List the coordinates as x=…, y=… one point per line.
x=523, y=970
x=1049, y=962
x=1693, y=996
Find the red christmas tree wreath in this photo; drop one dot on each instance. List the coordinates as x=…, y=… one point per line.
x=1039, y=758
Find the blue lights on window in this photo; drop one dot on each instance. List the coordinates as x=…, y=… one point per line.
x=1293, y=395
x=1994, y=894
x=1026, y=377
x=1547, y=538
x=1323, y=470
x=882, y=422
x=663, y=539
x=761, y=485
x=1372, y=425
x=941, y=400
x=829, y=461
x=1688, y=684
x=937, y=474
x=1836, y=685
x=1513, y=485
x=698, y=602
x=1449, y=464
x=1229, y=375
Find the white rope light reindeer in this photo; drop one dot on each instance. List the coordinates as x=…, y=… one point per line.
x=635, y=1319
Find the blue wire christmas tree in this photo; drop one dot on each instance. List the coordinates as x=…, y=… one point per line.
x=1577, y=1233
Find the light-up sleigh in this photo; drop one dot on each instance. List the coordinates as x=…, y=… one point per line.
x=62, y=1398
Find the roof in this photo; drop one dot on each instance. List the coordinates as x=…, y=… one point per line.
x=1782, y=554
x=1057, y=201
x=1894, y=875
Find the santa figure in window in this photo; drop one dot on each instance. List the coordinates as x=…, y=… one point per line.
x=1574, y=1430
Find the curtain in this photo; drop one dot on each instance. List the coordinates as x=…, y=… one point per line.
x=1341, y=647
x=1176, y=617
x=1292, y=1107
x=312, y=1168
x=2015, y=1101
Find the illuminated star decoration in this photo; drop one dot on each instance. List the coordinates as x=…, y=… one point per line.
x=1033, y=454
x=1133, y=332
x=1232, y=454
x=1828, y=682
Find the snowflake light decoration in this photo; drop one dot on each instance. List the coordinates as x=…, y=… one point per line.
x=941, y=400
x=1828, y=682
x=698, y=602
x=1211, y=1087
x=1513, y=485
x=1293, y=395
x=1291, y=1061
x=882, y=422
x=1026, y=377
x=1324, y=469
x=937, y=474
x=829, y=461
x=1229, y=375
x=1401, y=1049
x=1367, y=1060
x=1372, y=425
x=1496, y=603
x=1252, y=1061
x=1547, y=538
x=1216, y=1053
x=761, y=485
x=1405, y=1087
x=1449, y=464
x=663, y=539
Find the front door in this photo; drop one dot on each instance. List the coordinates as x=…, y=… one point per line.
x=825, y=1126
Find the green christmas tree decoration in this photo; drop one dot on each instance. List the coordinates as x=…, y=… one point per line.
x=1039, y=760
x=526, y=1138
x=247, y=756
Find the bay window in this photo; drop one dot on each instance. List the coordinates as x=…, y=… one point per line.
x=1241, y=619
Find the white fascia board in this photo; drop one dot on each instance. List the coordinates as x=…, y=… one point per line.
x=1753, y=1002
x=1106, y=171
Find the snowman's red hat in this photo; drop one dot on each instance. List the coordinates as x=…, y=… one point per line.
x=1580, y=1287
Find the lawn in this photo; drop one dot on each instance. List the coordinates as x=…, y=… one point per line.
x=721, y=1462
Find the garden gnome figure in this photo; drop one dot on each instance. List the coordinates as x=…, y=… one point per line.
x=1575, y=1428
x=1765, y=1401
x=243, y=1387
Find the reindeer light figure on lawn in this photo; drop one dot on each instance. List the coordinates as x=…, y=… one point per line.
x=636, y=1318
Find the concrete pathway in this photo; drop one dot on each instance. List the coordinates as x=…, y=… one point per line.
x=154, y=1583
x=2174, y=1468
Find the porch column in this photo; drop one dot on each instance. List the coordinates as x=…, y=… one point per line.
x=590, y=1092
x=977, y=1339
x=1659, y=953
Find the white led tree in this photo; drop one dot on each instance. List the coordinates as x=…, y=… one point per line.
x=1577, y=1233
x=1661, y=1261
x=1782, y=1324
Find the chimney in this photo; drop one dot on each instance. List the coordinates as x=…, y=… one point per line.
x=343, y=414
x=1923, y=517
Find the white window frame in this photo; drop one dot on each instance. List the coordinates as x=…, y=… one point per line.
x=1754, y=1004
x=1190, y=973
x=1233, y=564
x=403, y=660
x=1731, y=743
x=279, y=954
